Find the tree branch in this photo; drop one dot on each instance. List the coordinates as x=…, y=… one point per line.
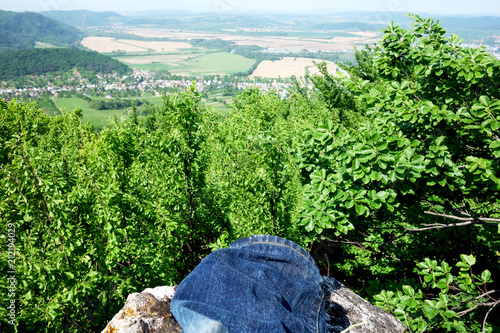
x=442, y=226
x=483, y=220
x=488, y=293
x=487, y=313
x=492, y=304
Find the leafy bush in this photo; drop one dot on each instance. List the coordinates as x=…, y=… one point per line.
x=419, y=176
x=100, y=216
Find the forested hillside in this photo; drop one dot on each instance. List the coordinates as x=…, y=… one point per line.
x=22, y=30
x=85, y=18
x=390, y=178
x=42, y=61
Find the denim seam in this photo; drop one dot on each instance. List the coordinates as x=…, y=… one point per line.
x=317, y=312
x=274, y=243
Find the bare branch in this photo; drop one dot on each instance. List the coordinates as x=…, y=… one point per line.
x=492, y=304
x=442, y=226
x=488, y=293
x=487, y=313
x=460, y=314
x=483, y=220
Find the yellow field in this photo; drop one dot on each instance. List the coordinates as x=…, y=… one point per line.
x=289, y=66
x=108, y=44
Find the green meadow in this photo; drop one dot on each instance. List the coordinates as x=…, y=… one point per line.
x=196, y=64
x=95, y=117
x=101, y=118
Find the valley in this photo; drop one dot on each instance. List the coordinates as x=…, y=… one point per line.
x=165, y=55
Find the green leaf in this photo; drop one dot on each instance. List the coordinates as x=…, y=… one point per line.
x=485, y=100
x=495, y=144
x=486, y=275
x=377, y=176
x=310, y=225
x=349, y=204
x=463, y=266
x=429, y=312
x=381, y=164
x=355, y=164
x=382, y=146
x=442, y=284
x=450, y=314
x=360, y=209
x=469, y=259
x=409, y=290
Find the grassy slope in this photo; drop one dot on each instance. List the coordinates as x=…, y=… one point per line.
x=103, y=117
x=95, y=117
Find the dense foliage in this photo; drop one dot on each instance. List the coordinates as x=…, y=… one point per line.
x=113, y=104
x=43, y=61
x=417, y=176
x=387, y=175
x=22, y=30
x=100, y=216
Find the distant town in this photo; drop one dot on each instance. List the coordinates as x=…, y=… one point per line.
x=113, y=86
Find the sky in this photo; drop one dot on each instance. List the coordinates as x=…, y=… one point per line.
x=451, y=7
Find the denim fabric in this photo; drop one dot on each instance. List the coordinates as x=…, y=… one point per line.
x=258, y=284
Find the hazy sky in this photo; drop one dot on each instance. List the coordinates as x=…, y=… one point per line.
x=490, y=7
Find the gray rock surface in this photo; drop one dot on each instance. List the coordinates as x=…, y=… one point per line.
x=348, y=312
x=146, y=312
x=149, y=312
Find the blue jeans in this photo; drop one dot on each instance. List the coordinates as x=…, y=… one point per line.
x=257, y=284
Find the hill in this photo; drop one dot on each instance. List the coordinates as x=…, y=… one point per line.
x=22, y=30
x=41, y=61
x=85, y=18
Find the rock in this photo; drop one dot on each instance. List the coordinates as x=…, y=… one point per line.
x=345, y=310
x=146, y=312
x=149, y=311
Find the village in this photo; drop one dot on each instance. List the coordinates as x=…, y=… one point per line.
x=143, y=81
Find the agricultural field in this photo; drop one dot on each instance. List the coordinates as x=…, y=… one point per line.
x=181, y=58
x=202, y=62
x=178, y=58
x=98, y=118
x=332, y=40
x=108, y=44
x=212, y=63
x=288, y=66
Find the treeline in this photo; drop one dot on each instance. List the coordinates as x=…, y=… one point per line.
x=42, y=61
x=114, y=104
x=22, y=30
